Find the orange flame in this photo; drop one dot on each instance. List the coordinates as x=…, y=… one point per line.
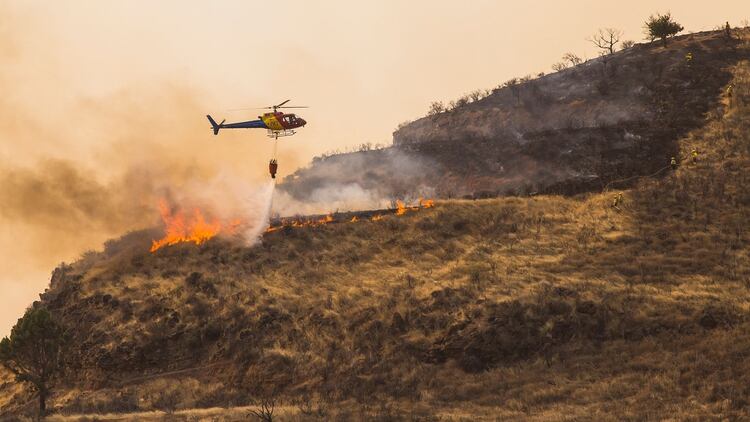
x=301, y=223
x=401, y=209
x=179, y=227
x=426, y=203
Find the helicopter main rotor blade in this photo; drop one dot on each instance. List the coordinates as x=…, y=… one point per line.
x=267, y=108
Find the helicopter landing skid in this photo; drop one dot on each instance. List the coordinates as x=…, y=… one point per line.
x=276, y=134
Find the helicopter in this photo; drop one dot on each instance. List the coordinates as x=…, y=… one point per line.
x=278, y=123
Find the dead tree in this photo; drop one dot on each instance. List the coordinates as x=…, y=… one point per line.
x=606, y=39
x=572, y=58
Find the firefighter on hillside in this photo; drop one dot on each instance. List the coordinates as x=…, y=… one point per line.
x=673, y=163
x=730, y=88
x=694, y=155
x=617, y=201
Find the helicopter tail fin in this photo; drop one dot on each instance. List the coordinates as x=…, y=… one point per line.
x=214, y=125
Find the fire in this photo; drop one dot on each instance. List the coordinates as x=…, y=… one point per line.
x=301, y=223
x=189, y=227
x=401, y=209
x=426, y=203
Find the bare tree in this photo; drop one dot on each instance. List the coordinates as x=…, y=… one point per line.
x=606, y=39
x=627, y=44
x=559, y=66
x=476, y=95
x=436, y=107
x=572, y=58
x=265, y=410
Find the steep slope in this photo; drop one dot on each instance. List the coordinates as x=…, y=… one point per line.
x=576, y=130
x=537, y=308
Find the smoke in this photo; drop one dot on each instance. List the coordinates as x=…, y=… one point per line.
x=230, y=198
x=361, y=180
x=328, y=198
x=77, y=170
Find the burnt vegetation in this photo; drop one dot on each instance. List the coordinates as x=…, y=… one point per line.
x=546, y=307
x=590, y=123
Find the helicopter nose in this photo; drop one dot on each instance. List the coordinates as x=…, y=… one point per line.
x=303, y=121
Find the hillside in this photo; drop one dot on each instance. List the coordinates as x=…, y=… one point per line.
x=572, y=131
x=537, y=308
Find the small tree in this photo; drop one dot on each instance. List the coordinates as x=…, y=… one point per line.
x=606, y=39
x=662, y=27
x=436, y=107
x=33, y=352
x=512, y=84
x=572, y=58
x=476, y=95
x=627, y=44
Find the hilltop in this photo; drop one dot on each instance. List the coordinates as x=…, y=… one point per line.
x=540, y=308
x=571, y=131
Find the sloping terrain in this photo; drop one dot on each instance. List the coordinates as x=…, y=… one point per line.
x=535, y=308
x=572, y=131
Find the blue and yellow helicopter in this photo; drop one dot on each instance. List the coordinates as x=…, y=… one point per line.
x=278, y=123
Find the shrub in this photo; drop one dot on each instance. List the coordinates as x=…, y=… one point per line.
x=662, y=27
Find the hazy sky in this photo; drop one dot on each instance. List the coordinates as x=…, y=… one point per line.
x=112, y=86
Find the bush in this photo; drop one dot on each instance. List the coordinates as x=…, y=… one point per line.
x=662, y=27
x=436, y=107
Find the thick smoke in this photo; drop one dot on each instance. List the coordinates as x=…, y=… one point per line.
x=362, y=180
x=81, y=170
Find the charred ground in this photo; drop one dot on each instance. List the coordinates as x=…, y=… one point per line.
x=538, y=308
x=568, y=132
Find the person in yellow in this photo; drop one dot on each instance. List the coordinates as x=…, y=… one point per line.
x=694, y=155
x=617, y=201
x=673, y=163
x=730, y=88
x=689, y=58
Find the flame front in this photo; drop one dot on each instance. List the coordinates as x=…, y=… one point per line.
x=179, y=227
x=401, y=209
x=426, y=203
